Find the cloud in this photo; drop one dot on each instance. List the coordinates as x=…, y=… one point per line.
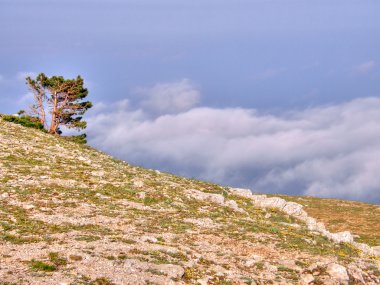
x=169, y=98
x=365, y=67
x=329, y=151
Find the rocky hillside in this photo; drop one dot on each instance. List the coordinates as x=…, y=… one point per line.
x=72, y=215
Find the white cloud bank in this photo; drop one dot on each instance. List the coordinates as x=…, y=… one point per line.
x=169, y=98
x=331, y=151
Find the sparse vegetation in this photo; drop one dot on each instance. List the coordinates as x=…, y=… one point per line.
x=26, y=121
x=42, y=266
x=358, y=217
x=116, y=216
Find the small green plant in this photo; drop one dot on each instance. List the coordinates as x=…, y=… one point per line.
x=102, y=281
x=42, y=266
x=56, y=259
x=247, y=280
x=80, y=139
x=160, y=239
x=274, y=230
x=190, y=274
x=259, y=265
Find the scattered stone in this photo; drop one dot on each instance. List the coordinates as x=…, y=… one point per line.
x=149, y=239
x=138, y=183
x=270, y=267
x=337, y=271
x=376, y=250
x=203, y=223
x=173, y=271
x=99, y=173
x=296, y=210
x=241, y=192
x=101, y=196
x=121, y=241
x=306, y=279
x=341, y=237
x=28, y=207
x=356, y=274
x=233, y=205
x=199, y=195
x=215, y=198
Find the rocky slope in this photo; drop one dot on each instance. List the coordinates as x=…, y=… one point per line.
x=72, y=215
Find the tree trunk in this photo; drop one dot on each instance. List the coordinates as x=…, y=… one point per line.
x=42, y=111
x=53, y=125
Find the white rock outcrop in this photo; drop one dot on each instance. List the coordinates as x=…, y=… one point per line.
x=214, y=198
x=337, y=272
x=296, y=210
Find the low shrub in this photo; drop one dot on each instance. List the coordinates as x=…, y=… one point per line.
x=26, y=121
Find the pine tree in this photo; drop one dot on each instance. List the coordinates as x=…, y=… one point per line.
x=63, y=97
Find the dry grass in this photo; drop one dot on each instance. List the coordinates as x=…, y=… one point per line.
x=70, y=214
x=359, y=218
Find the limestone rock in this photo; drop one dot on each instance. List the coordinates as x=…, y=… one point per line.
x=376, y=250
x=294, y=209
x=199, y=195
x=149, y=239
x=214, y=198
x=233, y=205
x=4, y=195
x=341, y=237
x=306, y=279
x=337, y=272
x=356, y=274
x=141, y=195
x=99, y=173
x=203, y=223
x=28, y=207
x=138, y=183
x=241, y=192
x=173, y=271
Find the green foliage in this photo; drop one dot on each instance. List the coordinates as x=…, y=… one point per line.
x=101, y=281
x=26, y=121
x=80, y=139
x=56, y=259
x=41, y=266
x=65, y=98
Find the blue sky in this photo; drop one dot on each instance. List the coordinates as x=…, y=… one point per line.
x=281, y=60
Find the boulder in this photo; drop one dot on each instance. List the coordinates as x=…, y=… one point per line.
x=337, y=272
x=306, y=279
x=242, y=192
x=345, y=236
